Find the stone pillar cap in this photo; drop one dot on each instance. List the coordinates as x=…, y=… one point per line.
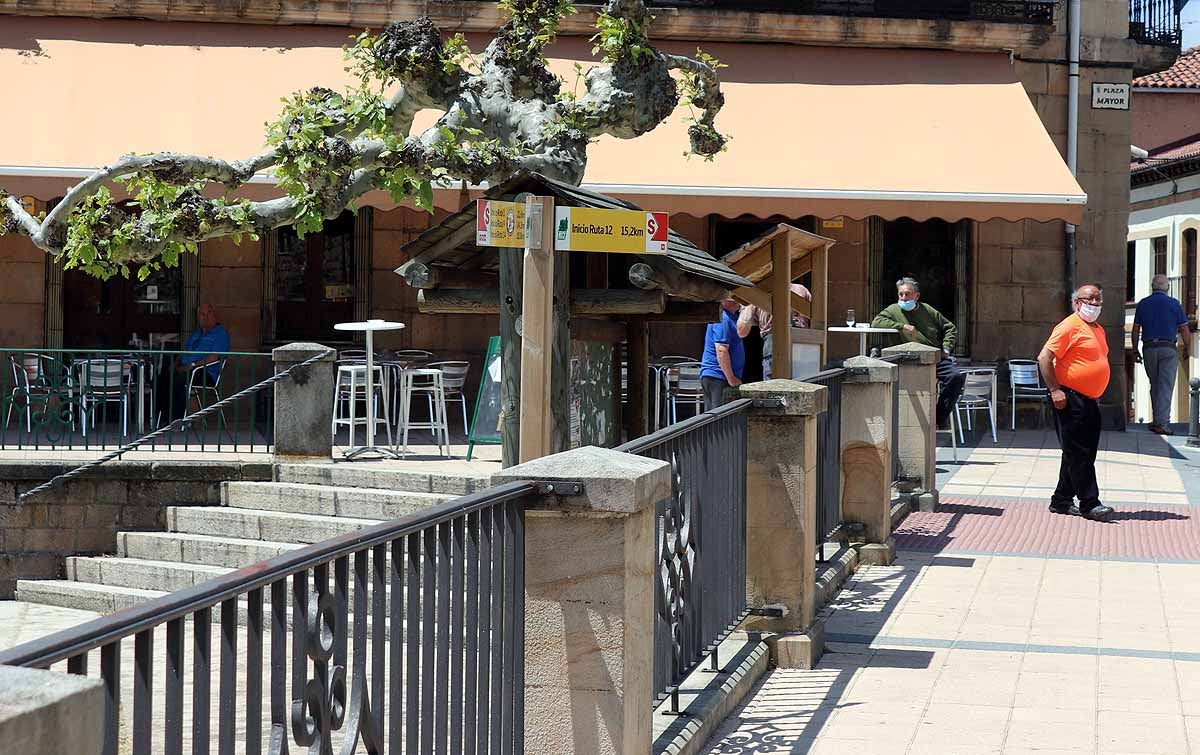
x=877, y=370
x=612, y=481
x=298, y=352
x=799, y=399
x=925, y=354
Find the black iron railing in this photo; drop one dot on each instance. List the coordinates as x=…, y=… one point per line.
x=1005, y=11
x=64, y=399
x=1155, y=22
x=407, y=636
x=701, y=541
x=829, y=457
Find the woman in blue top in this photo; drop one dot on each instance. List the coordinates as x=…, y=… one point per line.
x=724, y=357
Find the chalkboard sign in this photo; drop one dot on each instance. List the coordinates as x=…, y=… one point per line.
x=485, y=426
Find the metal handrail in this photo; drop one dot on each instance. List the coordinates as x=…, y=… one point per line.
x=679, y=429
x=152, y=613
x=179, y=424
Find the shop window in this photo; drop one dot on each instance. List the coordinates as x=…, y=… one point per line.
x=315, y=281
x=1130, y=272
x=1189, y=272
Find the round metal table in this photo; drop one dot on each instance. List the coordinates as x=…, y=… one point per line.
x=862, y=333
x=369, y=327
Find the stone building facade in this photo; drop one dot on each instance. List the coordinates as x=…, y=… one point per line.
x=1004, y=281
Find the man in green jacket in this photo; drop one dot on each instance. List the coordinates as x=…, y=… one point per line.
x=921, y=323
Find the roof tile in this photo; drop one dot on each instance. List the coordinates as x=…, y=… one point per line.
x=1184, y=74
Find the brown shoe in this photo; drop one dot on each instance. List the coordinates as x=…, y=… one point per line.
x=1160, y=430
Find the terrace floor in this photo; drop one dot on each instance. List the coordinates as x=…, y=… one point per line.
x=1002, y=628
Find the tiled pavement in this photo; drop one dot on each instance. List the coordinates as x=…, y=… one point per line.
x=1002, y=628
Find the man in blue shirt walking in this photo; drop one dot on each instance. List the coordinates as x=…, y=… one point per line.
x=1158, y=320
x=724, y=356
x=207, y=343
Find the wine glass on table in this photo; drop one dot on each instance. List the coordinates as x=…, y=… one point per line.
x=850, y=318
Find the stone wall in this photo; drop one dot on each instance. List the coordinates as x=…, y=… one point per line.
x=84, y=516
x=231, y=280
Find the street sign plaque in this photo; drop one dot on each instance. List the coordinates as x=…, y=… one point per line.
x=500, y=223
x=584, y=229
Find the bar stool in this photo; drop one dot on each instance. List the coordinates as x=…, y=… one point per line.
x=428, y=382
x=351, y=387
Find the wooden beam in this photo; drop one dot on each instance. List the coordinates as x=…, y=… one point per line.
x=601, y=331
x=755, y=296
x=511, y=268
x=687, y=311
x=537, y=335
x=781, y=308
x=637, y=378
x=584, y=302
x=424, y=276
x=450, y=242
x=674, y=282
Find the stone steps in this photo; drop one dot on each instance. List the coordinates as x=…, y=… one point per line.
x=255, y=521
x=327, y=500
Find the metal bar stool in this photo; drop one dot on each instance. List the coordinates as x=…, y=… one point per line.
x=350, y=388
x=429, y=382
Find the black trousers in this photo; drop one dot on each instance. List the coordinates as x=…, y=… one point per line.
x=1079, y=431
x=950, y=386
x=714, y=392
x=171, y=392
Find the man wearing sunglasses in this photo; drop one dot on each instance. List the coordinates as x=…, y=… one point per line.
x=1074, y=364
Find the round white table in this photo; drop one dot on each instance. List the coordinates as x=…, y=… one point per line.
x=369, y=327
x=862, y=335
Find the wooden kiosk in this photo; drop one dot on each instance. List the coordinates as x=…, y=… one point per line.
x=597, y=302
x=771, y=262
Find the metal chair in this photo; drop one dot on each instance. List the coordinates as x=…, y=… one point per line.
x=1025, y=384
x=37, y=379
x=979, y=394
x=454, y=379
x=953, y=430
x=198, y=388
x=103, y=381
x=684, y=387
x=429, y=381
x=351, y=387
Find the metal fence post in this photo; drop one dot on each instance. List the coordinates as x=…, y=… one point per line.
x=304, y=403
x=590, y=601
x=781, y=516
x=1193, y=438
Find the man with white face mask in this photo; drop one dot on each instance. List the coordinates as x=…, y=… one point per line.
x=917, y=322
x=1074, y=365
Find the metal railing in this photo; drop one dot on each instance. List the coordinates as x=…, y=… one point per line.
x=829, y=458
x=84, y=399
x=1005, y=11
x=701, y=541
x=407, y=636
x=1155, y=22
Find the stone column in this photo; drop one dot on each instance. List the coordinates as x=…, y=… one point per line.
x=48, y=713
x=589, y=602
x=866, y=454
x=781, y=516
x=304, y=403
x=918, y=420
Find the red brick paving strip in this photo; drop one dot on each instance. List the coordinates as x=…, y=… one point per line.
x=1005, y=525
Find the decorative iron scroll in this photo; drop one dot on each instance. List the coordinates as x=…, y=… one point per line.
x=322, y=709
x=676, y=560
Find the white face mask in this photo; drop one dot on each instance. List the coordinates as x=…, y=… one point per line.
x=1089, y=312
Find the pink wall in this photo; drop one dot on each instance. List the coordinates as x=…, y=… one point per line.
x=1162, y=118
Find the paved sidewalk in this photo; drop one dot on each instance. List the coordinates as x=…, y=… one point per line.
x=1002, y=628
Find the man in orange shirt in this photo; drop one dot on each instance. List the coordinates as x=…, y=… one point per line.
x=1074, y=365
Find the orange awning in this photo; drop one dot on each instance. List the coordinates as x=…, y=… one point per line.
x=821, y=131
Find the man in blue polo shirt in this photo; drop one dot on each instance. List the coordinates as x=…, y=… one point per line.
x=1159, y=319
x=207, y=343
x=724, y=357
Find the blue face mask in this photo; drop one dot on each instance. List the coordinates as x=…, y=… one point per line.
x=908, y=306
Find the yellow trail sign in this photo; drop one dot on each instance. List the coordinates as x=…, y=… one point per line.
x=583, y=229
x=499, y=223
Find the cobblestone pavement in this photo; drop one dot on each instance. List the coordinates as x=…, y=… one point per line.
x=1002, y=628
